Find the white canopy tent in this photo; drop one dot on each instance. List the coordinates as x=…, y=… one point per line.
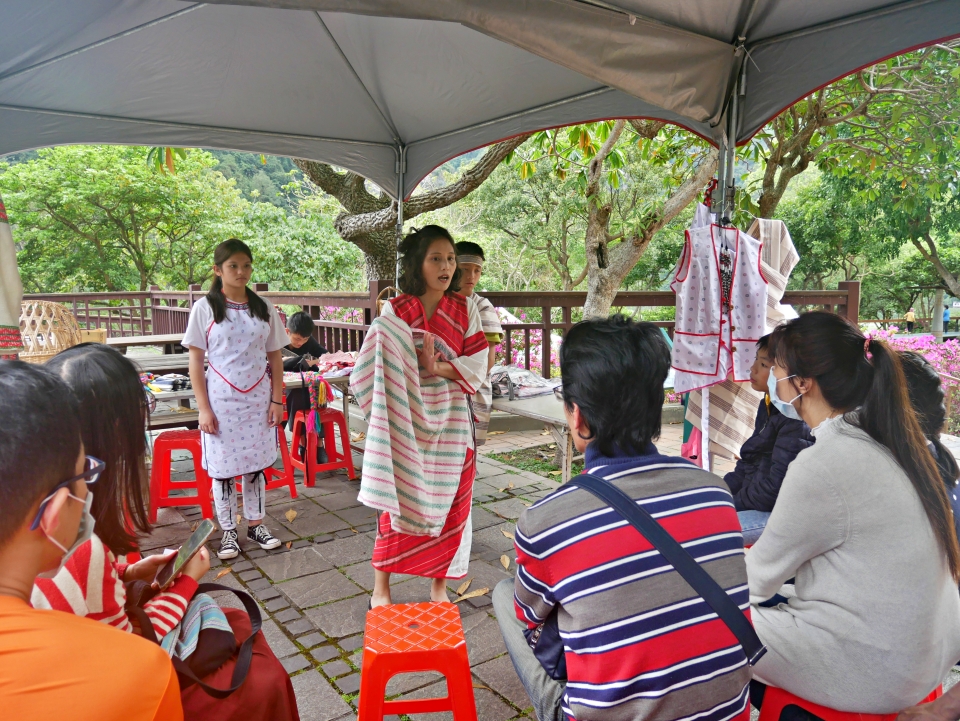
x=393, y=88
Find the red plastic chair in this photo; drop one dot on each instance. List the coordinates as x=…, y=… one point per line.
x=277, y=478
x=336, y=459
x=160, y=483
x=776, y=699
x=411, y=637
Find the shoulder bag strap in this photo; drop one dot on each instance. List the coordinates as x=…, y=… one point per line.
x=244, y=653
x=685, y=564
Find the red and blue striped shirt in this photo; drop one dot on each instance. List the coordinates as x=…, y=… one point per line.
x=640, y=643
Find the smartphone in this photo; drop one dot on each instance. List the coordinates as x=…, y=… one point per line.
x=187, y=551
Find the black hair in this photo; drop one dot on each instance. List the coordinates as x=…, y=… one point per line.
x=413, y=249
x=465, y=247
x=763, y=342
x=39, y=440
x=613, y=369
x=301, y=324
x=258, y=307
x=926, y=396
x=833, y=351
x=113, y=417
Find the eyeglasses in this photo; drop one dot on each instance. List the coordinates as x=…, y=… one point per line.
x=94, y=468
x=558, y=392
x=149, y=401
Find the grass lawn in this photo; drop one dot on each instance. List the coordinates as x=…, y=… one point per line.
x=534, y=460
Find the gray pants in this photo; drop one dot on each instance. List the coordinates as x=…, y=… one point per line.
x=545, y=693
x=225, y=499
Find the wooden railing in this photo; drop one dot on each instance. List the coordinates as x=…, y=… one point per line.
x=157, y=312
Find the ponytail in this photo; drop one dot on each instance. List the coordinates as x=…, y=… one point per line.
x=830, y=349
x=258, y=308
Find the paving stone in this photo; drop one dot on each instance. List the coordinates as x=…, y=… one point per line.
x=416, y=590
x=361, y=574
x=482, y=518
x=343, y=618
x=277, y=640
x=489, y=707
x=357, y=658
x=358, y=515
x=480, y=601
x=349, y=684
x=250, y=575
x=484, y=642
x=336, y=668
x=171, y=536
x=267, y=594
x=366, y=528
x=276, y=604
x=293, y=564
x=500, y=675
x=301, y=544
x=352, y=643
x=291, y=614
x=406, y=682
x=493, y=537
x=318, y=588
x=345, y=533
x=511, y=508
x=302, y=625
x=324, y=653
x=340, y=501
x=358, y=547
x=292, y=664
x=259, y=583
x=470, y=618
x=317, y=700
x=238, y=566
x=311, y=640
x=322, y=538
x=168, y=516
x=256, y=553
x=482, y=575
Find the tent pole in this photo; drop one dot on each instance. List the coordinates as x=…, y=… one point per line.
x=731, y=153
x=401, y=170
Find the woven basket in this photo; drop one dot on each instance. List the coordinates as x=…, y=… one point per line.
x=47, y=328
x=385, y=295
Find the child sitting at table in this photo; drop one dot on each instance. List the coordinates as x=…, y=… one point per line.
x=776, y=440
x=300, y=331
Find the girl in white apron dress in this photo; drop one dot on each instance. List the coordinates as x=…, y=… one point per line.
x=240, y=395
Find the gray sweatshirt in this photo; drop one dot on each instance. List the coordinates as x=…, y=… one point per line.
x=874, y=624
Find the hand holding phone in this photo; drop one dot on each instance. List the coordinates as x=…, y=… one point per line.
x=184, y=561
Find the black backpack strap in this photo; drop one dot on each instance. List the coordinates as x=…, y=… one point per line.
x=244, y=654
x=685, y=564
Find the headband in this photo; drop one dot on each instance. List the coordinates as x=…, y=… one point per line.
x=475, y=259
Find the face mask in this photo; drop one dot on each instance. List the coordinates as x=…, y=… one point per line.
x=785, y=407
x=84, y=532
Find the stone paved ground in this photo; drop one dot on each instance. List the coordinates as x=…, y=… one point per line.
x=313, y=590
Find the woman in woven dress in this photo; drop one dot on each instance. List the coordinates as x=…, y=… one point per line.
x=430, y=303
x=240, y=396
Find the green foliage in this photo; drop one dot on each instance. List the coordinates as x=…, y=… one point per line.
x=258, y=181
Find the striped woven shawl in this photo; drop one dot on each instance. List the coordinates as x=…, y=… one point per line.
x=418, y=434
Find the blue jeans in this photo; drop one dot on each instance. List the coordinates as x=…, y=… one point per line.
x=752, y=523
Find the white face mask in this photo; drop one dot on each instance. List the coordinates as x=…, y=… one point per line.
x=785, y=407
x=84, y=533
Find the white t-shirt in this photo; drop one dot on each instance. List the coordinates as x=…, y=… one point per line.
x=201, y=316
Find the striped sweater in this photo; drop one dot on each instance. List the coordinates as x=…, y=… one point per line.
x=639, y=642
x=91, y=584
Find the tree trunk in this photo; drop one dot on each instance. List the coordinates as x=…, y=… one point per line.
x=936, y=322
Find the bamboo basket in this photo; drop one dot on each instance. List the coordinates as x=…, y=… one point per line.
x=47, y=328
x=386, y=294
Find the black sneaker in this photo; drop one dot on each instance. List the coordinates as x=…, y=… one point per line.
x=260, y=534
x=322, y=455
x=229, y=546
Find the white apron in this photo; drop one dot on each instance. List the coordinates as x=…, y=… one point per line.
x=238, y=386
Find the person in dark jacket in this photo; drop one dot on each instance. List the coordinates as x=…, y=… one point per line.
x=776, y=440
x=300, y=331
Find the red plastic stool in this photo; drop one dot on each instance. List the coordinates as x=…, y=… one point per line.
x=410, y=637
x=160, y=483
x=336, y=459
x=776, y=699
x=277, y=478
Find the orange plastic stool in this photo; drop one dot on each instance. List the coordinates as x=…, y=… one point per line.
x=336, y=459
x=776, y=699
x=160, y=483
x=410, y=637
x=277, y=478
